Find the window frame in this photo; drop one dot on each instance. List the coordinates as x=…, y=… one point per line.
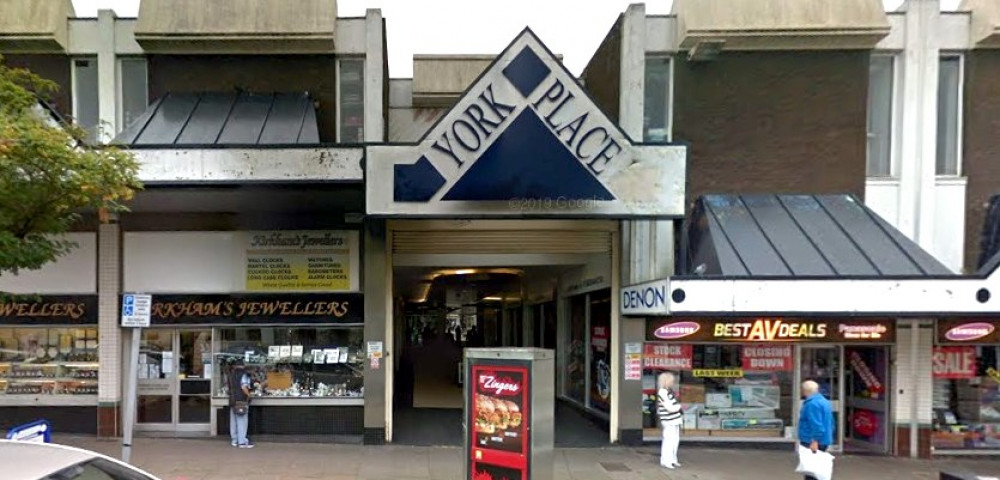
x=120, y=88
x=339, y=95
x=959, y=112
x=76, y=94
x=670, y=95
x=894, y=118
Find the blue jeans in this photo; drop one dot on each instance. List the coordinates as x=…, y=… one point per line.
x=238, y=427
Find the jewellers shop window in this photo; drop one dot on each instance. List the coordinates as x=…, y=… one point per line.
x=351, y=100
x=658, y=100
x=880, y=105
x=949, y=123
x=293, y=361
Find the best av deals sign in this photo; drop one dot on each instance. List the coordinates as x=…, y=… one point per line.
x=770, y=329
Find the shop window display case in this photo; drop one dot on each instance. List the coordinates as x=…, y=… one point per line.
x=293, y=363
x=967, y=405
x=47, y=365
x=720, y=397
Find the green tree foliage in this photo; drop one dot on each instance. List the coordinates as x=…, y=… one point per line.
x=49, y=175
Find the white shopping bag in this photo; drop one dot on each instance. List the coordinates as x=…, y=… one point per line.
x=818, y=465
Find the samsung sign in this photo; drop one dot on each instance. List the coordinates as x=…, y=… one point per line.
x=645, y=299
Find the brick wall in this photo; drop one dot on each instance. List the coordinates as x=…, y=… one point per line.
x=779, y=122
x=980, y=149
x=602, y=77
x=316, y=74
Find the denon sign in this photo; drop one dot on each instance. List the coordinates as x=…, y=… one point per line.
x=645, y=299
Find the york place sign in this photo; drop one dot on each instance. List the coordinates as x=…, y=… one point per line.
x=526, y=140
x=645, y=299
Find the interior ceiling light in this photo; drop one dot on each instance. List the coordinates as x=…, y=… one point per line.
x=469, y=271
x=500, y=299
x=423, y=297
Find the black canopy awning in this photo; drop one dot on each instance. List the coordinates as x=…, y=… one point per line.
x=238, y=118
x=765, y=235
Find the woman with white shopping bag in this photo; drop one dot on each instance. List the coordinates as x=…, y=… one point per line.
x=815, y=434
x=668, y=409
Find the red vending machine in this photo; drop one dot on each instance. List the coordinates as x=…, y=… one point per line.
x=509, y=413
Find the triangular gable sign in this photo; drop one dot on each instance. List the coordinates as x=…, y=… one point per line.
x=526, y=140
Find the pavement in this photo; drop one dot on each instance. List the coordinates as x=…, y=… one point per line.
x=215, y=459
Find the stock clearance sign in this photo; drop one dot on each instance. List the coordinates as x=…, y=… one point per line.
x=771, y=329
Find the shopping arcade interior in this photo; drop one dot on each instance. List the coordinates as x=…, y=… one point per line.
x=440, y=311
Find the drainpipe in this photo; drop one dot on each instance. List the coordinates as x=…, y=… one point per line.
x=914, y=381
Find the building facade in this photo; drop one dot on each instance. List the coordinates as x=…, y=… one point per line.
x=348, y=234
x=249, y=129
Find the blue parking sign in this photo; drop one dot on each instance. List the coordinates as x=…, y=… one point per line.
x=136, y=309
x=128, y=305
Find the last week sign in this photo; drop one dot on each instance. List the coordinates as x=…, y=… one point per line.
x=526, y=140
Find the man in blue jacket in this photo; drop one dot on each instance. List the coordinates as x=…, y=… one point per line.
x=815, y=419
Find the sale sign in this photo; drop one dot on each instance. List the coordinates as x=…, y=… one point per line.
x=599, y=336
x=954, y=362
x=767, y=358
x=663, y=356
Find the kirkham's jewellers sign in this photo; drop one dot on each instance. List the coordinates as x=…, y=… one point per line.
x=526, y=139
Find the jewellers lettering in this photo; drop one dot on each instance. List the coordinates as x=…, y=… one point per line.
x=49, y=310
x=297, y=240
x=244, y=309
x=70, y=310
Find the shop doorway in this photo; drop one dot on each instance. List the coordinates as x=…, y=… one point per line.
x=866, y=391
x=174, y=384
x=855, y=379
x=822, y=364
x=442, y=311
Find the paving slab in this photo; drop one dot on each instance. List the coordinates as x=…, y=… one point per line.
x=215, y=459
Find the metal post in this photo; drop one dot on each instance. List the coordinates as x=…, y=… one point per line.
x=130, y=396
x=914, y=387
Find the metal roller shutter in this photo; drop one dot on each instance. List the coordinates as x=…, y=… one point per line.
x=500, y=241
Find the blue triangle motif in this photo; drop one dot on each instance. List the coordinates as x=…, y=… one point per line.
x=527, y=161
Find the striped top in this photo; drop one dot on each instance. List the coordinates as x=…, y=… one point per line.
x=668, y=408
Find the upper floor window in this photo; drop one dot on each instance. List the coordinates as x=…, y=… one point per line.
x=134, y=93
x=86, y=104
x=657, y=96
x=880, y=105
x=351, y=100
x=949, y=115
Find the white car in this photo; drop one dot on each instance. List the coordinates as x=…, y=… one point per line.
x=47, y=461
